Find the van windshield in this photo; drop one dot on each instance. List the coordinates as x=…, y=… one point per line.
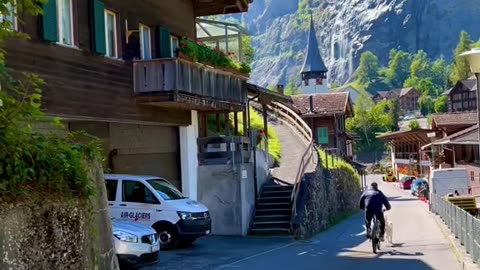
x=166, y=190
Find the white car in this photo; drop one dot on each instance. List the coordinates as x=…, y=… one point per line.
x=136, y=245
x=155, y=202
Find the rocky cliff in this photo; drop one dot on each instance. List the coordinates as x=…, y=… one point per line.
x=347, y=28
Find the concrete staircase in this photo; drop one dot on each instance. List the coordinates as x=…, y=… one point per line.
x=273, y=210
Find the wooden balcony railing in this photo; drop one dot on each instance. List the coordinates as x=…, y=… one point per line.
x=175, y=75
x=223, y=150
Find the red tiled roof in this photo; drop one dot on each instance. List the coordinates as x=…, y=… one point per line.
x=324, y=104
x=455, y=119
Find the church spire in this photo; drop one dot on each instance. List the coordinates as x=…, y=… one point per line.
x=313, y=67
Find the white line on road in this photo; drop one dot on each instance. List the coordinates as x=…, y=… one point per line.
x=256, y=255
x=302, y=253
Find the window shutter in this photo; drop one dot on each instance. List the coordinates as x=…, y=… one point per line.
x=98, y=25
x=322, y=134
x=164, y=43
x=50, y=21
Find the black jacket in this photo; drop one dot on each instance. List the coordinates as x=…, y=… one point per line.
x=373, y=201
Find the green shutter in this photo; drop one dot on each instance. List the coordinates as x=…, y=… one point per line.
x=164, y=43
x=322, y=135
x=50, y=21
x=98, y=25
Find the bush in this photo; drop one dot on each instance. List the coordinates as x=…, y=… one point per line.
x=34, y=166
x=337, y=163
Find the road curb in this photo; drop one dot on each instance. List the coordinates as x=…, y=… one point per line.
x=459, y=251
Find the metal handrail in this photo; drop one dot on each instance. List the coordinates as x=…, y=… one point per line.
x=299, y=124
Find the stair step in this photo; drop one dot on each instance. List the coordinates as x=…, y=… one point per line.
x=270, y=231
x=272, y=217
x=261, y=206
x=271, y=225
x=277, y=192
x=277, y=188
x=284, y=199
x=272, y=212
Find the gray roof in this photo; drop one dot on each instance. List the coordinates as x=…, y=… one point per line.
x=313, y=62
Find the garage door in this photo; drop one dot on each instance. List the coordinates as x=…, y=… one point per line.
x=142, y=149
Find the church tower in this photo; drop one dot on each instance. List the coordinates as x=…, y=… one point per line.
x=314, y=71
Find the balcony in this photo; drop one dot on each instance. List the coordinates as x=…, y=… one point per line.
x=179, y=83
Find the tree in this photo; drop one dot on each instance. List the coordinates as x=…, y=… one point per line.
x=461, y=68
x=440, y=71
x=292, y=87
x=426, y=105
x=334, y=85
x=441, y=104
x=367, y=73
x=476, y=44
x=426, y=87
x=420, y=67
x=414, y=125
x=398, y=68
x=394, y=114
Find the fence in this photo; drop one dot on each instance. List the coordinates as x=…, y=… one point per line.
x=463, y=225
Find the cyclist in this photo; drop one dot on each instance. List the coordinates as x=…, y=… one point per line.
x=372, y=201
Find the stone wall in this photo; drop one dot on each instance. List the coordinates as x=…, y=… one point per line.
x=58, y=233
x=322, y=200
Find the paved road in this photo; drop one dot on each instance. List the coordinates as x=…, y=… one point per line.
x=418, y=245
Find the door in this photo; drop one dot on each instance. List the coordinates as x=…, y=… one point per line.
x=138, y=203
x=113, y=195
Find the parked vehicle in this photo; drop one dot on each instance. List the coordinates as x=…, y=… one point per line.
x=389, y=176
x=136, y=245
x=406, y=182
x=445, y=181
x=155, y=202
x=417, y=185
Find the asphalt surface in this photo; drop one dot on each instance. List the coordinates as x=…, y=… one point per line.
x=418, y=244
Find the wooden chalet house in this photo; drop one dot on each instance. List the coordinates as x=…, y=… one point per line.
x=111, y=69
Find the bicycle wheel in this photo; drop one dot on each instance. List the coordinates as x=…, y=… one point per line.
x=374, y=244
x=374, y=234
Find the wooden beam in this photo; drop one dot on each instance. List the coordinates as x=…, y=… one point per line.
x=235, y=122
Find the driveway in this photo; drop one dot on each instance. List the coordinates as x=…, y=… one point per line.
x=418, y=245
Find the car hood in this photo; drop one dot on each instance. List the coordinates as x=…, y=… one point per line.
x=187, y=205
x=132, y=227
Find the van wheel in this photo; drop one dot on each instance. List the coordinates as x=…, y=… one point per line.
x=168, y=237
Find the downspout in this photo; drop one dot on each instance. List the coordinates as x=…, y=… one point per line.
x=253, y=145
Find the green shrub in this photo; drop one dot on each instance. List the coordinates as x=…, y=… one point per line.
x=337, y=163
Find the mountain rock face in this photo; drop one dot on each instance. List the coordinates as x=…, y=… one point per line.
x=347, y=28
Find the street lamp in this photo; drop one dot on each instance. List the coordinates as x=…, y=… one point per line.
x=473, y=57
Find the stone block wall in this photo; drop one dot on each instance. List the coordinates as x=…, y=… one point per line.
x=323, y=200
x=58, y=233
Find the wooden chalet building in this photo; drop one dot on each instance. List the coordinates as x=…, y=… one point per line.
x=111, y=69
x=407, y=98
x=463, y=96
x=326, y=115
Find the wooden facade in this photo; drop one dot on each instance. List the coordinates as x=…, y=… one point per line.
x=80, y=83
x=409, y=101
x=463, y=97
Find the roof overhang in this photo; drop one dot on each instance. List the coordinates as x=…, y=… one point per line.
x=266, y=96
x=410, y=136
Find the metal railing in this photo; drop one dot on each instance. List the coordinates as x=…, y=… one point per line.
x=294, y=120
x=462, y=224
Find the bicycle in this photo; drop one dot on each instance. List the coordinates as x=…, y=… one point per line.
x=375, y=233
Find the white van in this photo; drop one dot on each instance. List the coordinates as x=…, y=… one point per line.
x=155, y=202
x=445, y=181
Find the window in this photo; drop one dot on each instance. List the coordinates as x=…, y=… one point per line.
x=319, y=81
x=134, y=191
x=111, y=34
x=111, y=186
x=305, y=82
x=10, y=17
x=322, y=135
x=166, y=190
x=145, y=42
x=65, y=22
x=175, y=45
